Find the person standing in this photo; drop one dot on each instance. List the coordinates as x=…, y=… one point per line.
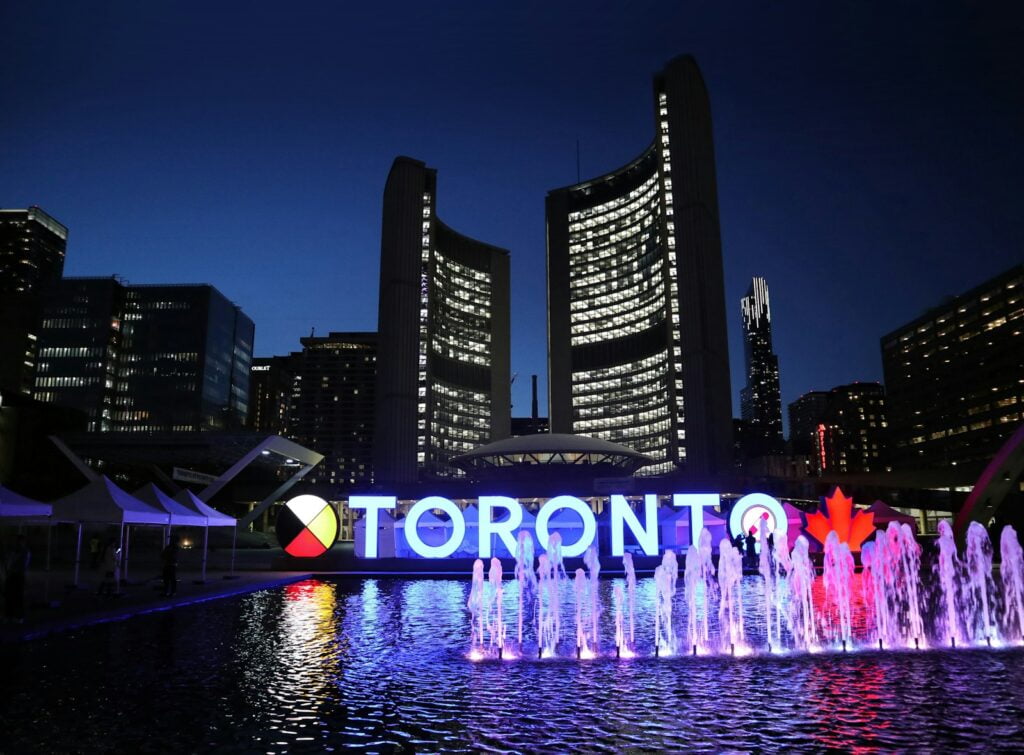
x=169, y=557
x=95, y=554
x=14, y=589
x=751, y=546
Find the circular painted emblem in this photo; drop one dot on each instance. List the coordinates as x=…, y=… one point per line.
x=307, y=526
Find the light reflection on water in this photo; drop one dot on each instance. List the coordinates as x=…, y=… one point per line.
x=381, y=665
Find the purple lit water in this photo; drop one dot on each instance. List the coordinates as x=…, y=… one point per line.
x=380, y=666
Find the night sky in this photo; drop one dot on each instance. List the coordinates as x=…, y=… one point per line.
x=870, y=157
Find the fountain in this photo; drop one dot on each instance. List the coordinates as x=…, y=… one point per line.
x=525, y=576
x=801, y=603
x=699, y=580
x=495, y=619
x=767, y=571
x=801, y=611
x=549, y=607
x=475, y=604
x=837, y=577
x=627, y=565
x=730, y=607
x=1011, y=570
x=593, y=564
x=666, y=576
x=979, y=585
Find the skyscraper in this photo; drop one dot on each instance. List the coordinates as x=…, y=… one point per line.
x=332, y=405
x=32, y=249
x=140, y=358
x=637, y=346
x=760, y=400
x=843, y=430
x=955, y=377
x=444, y=343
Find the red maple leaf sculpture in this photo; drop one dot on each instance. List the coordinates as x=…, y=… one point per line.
x=851, y=529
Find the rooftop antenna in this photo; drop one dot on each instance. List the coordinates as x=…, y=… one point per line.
x=578, y=179
x=312, y=331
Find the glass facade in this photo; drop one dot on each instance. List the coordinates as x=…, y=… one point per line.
x=32, y=250
x=455, y=413
x=145, y=358
x=955, y=377
x=760, y=400
x=443, y=363
x=637, y=347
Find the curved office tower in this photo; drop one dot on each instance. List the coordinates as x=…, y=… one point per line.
x=443, y=358
x=637, y=348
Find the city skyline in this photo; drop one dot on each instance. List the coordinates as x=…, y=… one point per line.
x=852, y=184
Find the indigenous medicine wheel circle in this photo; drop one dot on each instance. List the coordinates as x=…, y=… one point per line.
x=307, y=526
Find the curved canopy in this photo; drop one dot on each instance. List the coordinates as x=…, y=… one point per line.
x=552, y=450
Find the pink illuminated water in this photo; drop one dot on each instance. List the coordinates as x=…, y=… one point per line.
x=788, y=606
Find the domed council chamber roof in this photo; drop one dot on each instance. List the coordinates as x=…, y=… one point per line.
x=550, y=452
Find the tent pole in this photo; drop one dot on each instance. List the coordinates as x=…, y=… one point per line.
x=78, y=552
x=127, y=550
x=206, y=538
x=119, y=562
x=49, y=542
x=234, y=534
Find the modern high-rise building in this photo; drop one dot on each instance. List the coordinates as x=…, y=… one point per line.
x=955, y=377
x=145, y=358
x=32, y=249
x=637, y=344
x=760, y=400
x=332, y=405
x=805, y=414
x=444, y=342
x=270, y=393
x=843, y=430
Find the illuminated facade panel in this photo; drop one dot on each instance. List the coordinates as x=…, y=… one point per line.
x=637, y=350
x=443, y=366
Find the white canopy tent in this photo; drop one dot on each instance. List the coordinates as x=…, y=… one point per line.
x=214, y=518
x=101, y=501
x=15, y=506
x=180, y=515
x=17, y=509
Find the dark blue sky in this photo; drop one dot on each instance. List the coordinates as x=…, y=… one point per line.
x=869, y=156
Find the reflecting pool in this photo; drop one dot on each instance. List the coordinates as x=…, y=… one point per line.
x=382, y=665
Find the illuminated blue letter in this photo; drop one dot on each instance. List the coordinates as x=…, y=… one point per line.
x=503, y=530
x=372, y=504
x=567, y=502
x=696, y=502
x=646, y=535
x=413, y=518
x=758, y=501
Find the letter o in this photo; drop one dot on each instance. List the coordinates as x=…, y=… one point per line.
x=413, y=519
x=567, y=502
x=754, y=500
